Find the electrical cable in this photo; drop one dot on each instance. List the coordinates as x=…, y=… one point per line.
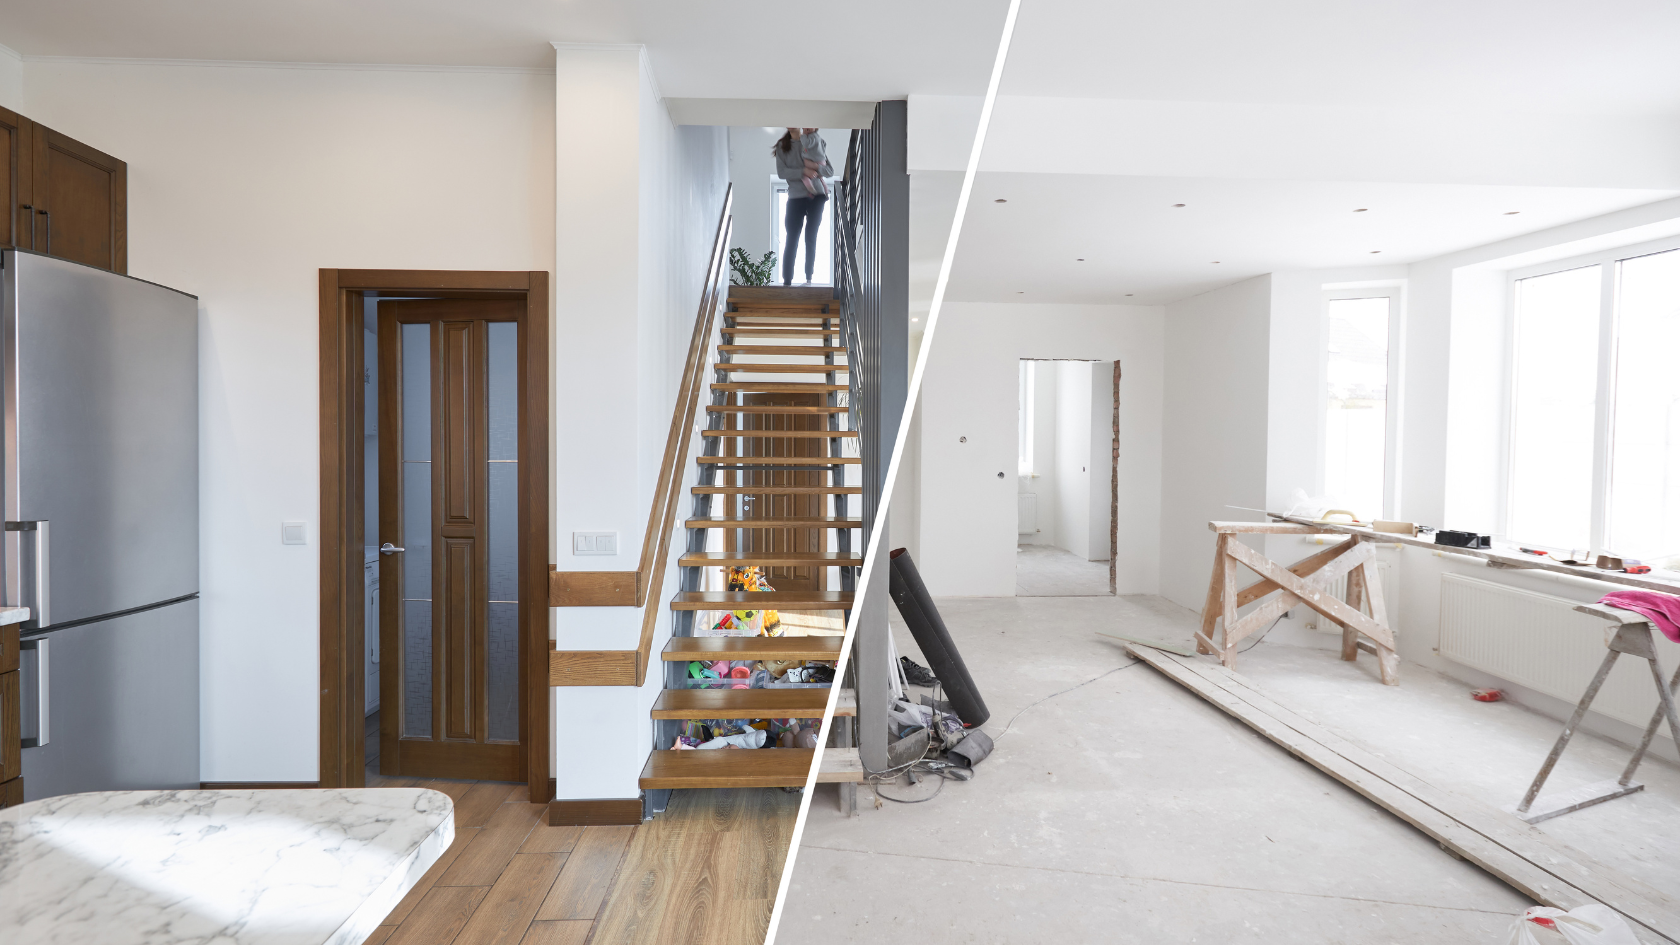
x=1053, y=695
x=1262, y=635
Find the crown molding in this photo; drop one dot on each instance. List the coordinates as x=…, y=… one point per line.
x=305, y=66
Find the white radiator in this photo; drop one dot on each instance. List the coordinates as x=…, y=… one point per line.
x=1541, y=642
x=1391, y=600
x=1026, y=513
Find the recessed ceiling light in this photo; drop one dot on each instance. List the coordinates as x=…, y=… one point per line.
x=1178, y=205
x=1021, y=292
x=1000, y=200
x=1216, y=262
x=1512, y=213
x=1361, y=209
x=1128, y=295
x=915, y=319
x=1080, y=259
x=1375, y=251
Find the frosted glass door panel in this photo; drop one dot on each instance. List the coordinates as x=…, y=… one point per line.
x=417, y=529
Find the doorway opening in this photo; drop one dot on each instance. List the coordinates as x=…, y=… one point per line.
x=1065, y=443
x=434, y=527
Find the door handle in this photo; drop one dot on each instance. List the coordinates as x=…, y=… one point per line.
x=40, y=606
x=43, y=690
x=48, y=215
x=29, y=211
x=390, y=549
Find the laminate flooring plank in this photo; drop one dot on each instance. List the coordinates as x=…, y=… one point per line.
x=379, y=935
x=463, y=838
x=589, y=873
x=473, y=809
x=546, y=839
x=505, y=915
x=440, y=916
x=569, y=932
x=484, y=859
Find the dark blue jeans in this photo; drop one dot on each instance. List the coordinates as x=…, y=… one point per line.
x=806, y=213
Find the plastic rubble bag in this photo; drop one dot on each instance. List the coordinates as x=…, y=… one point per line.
x=1591, y=924
x=751, y=738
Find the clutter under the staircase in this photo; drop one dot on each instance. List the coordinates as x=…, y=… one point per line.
x=915, y=605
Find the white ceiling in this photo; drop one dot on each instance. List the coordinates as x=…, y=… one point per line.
x=863, y=51
x=1139, y=249
x=1609, y=55
x=1273, y=121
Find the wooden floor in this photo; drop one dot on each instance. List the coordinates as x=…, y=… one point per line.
x=704, y=871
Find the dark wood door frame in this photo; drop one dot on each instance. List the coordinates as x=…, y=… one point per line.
x=342, y=485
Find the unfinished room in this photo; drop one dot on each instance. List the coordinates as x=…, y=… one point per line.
x=1358, y=329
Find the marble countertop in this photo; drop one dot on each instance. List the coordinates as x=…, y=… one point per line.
x=313, y=867
x=10, y=615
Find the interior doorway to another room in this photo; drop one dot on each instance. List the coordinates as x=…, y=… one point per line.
x=434, y=527
x=1066, y=439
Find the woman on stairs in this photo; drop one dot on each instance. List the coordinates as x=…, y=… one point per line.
x=802, y=162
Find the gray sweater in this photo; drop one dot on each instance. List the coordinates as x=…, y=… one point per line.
x=790, y=165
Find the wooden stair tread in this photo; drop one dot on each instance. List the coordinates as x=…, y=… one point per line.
x=761, y=331
x=790, y=434
x=745, y=704
x=738, y=408
x=774, y=559
x=841, y=765
x=727, y=768
x=739, y=367
x=683, y=649
x=782, y=349
x=779, y=460
x=776, y=490
x=781, y=387
x=776, y=521
x=813, y=302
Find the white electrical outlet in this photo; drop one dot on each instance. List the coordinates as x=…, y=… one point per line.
x=594, y=543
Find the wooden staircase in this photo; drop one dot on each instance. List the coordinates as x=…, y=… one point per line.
x=774, y=461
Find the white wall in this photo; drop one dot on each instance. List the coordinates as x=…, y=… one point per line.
x=1100, y=461
x=637, y=202
x=1214, y=428
x=243, y=182
x=11, y=79
x=965, y=512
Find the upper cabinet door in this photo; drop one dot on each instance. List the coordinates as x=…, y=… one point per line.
x=16, y=163
x=80, y=198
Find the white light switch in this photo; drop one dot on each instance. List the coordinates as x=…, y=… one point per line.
x=294, y=533
x=594, y=543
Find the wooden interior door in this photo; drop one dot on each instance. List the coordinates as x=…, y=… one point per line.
x=451, y=692
x=81, y=200
x=779, y=506
x=17, y=158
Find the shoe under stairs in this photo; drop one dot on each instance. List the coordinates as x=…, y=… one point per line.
x=800, y=325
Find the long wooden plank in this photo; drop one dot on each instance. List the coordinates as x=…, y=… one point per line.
x=1573, y=866
x=740, y=704
x=741, y=367
x=755, y=600
x=777, y=490
x=592, y=667
x=588, y=874
x=777, y=521
x=779, y=460
x=764, y=767
x=1540, y=868
x=682, y=649
x=840, y=766
x=740, y=408
x=784, y=434
x=780, y=387
x=782, y=349
x=775, y=559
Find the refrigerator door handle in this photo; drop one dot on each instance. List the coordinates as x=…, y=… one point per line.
x=43, y=691
x=40, y=606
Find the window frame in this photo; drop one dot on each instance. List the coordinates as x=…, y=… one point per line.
x=1026, y=402
x=1604, y=407
x=1395, y=292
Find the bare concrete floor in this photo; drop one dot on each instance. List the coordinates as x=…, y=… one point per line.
x=1050, y=571
x=1128, y=810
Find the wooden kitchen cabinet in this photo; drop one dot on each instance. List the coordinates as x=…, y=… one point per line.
x=11, y=710
x=65, y=199
x=17, y=159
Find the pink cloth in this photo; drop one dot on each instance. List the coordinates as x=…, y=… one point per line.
x=1663, y=609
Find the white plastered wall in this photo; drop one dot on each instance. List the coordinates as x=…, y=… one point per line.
x=243, y=182
x=636, y=211
x=964, y=513
x=11, y=79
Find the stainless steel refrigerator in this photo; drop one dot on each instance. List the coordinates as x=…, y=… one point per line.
x=100, y=375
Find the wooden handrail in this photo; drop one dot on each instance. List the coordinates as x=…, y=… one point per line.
x=668, y=495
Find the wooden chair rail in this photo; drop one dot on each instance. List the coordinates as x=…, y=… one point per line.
x=634, y=588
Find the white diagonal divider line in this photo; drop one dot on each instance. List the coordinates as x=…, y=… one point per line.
x=872, y=556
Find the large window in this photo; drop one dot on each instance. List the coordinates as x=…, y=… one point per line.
x=1595, y=407
x=1357, y=449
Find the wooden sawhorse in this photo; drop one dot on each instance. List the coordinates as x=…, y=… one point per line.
x=1628, y=633
x=1305, y=582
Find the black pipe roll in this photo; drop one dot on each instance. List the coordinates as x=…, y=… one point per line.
x=914, y=604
